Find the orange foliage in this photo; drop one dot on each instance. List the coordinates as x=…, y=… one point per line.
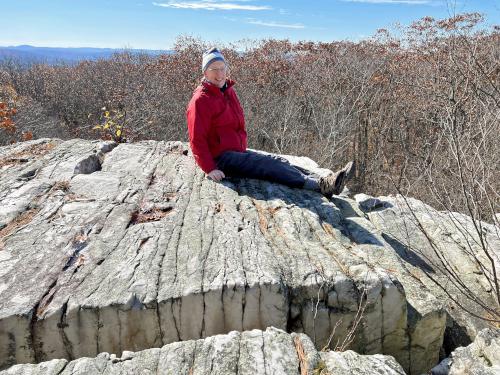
x=27, y=136
x=6, y=114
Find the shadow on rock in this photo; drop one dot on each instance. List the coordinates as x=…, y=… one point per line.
x=338, y=214
x=407, y=254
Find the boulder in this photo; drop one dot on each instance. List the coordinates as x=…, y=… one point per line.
x=251, y=352
x=352, y=363
x=482, y=357
x=445, y=252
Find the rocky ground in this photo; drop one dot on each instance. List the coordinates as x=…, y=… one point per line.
x=122, y=248
x=252, y=352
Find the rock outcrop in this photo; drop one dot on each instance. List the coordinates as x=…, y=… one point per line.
x=482, y=357
x=434, y=247
x=126, y=248
x=272, y=352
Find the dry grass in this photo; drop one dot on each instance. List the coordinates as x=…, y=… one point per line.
x=154, y=214
x=321, y=369
x=328, y=229
x=80, y=261
x=61, y=185
x=12, y=161
x=24, y=155
x=16, y=224
x=80, y=238
x=273, y=210
x=75, y=197
x=261, y=211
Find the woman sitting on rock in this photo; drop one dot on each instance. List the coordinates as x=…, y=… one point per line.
x=218, y=137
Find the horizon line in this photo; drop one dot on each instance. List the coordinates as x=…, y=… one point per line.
x=77, y=47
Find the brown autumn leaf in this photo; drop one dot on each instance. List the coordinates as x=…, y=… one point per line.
x=27, y=136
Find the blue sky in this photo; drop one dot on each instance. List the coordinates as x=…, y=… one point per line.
x=156, y=24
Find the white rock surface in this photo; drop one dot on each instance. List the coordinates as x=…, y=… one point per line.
x=482, y=357
x=272, y=352
x=450, y=242
x=129, y=248
x=352, y=363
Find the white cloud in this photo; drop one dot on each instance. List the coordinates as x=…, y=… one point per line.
x=232, y=19
x=409, y=2
x=275, y=24
x=212, y=5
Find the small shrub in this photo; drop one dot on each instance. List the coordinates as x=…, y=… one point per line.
x=112, y=124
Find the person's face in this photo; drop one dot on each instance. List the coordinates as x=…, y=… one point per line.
x=216, y=73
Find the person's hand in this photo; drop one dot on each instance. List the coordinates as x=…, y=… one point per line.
x=216, y=175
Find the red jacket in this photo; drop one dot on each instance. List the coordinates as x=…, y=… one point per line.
x=215, y=123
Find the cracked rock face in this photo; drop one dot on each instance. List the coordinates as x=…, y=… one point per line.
x=115, y=249
x=482, y=357
x=272, y=352
x=451, y=243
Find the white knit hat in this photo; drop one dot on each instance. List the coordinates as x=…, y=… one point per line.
x=213, y=54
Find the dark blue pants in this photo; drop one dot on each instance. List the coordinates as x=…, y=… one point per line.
x=251, y=164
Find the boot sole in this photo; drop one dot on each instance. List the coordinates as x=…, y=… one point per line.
x=345, y=175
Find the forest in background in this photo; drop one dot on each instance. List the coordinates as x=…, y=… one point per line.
x=417, y=108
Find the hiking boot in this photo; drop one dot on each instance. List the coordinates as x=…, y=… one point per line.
x=344, y=175
x=335, y=183
x=327, y=184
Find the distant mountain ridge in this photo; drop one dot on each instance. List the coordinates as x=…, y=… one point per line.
x=53, y=55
